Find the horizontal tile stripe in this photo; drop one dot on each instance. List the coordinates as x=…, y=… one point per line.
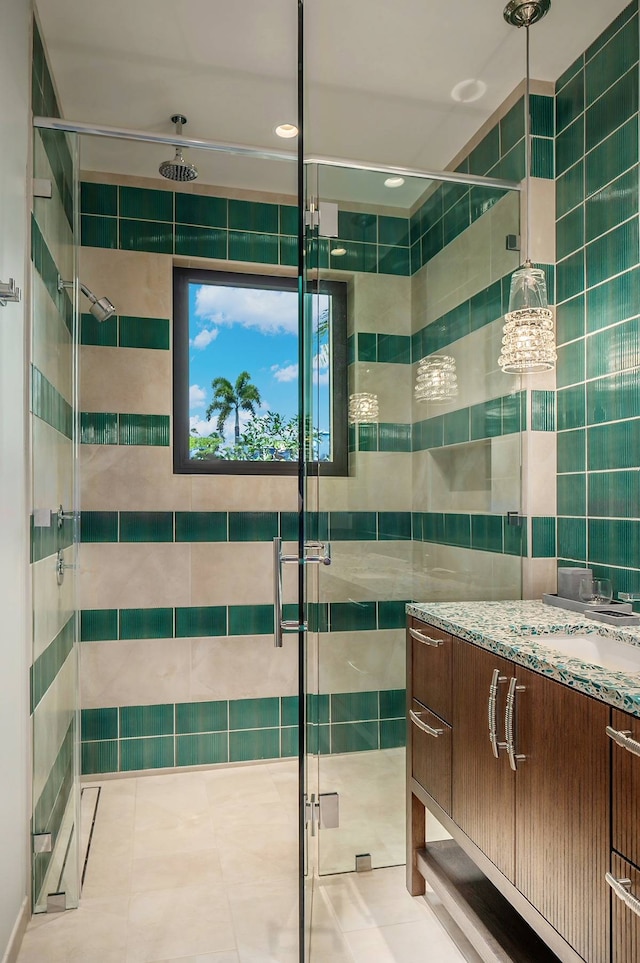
x=126, y=332
x=46, y=667
x=50, y=539
x=48, y=404
x=480, y=533
x=117, y=428
x=48, y=270
x=204, y=733
x=52, y=803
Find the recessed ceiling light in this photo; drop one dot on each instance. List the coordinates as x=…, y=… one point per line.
x=338, y=251
x=469, y=90
x=287, y=130
x=394, y=182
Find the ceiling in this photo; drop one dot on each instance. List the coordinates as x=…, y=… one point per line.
x=379, y=78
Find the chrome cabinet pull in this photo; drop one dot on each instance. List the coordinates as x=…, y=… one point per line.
x=622, y=738
x=426, y=639
x=514, y=757
x=496, y=680
x=417, y=721
x=622, y=889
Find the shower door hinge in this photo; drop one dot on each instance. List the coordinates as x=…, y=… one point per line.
x=324, y=217
x=322, y=812
x=42, y=188
x=42, y=843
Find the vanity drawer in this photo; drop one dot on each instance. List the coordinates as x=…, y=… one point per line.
x=431, y=753
x=431, y=667
x=625, y=923
x=626, y=785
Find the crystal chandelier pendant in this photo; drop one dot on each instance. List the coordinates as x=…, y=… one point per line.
x=436, y=379
x=363, y=408
x=528, y=342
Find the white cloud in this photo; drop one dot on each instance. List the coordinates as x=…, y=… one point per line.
x=204, y=338
x=197, y=396
x=271, y=312
x=288, y=373
x=321, y=378
x=202, y=427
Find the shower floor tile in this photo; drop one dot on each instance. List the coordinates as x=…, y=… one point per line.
x=201, y=866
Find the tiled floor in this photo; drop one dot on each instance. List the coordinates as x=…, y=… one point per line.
x=200, y=867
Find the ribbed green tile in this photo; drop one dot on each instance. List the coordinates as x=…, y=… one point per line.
x=201, y=526
x=393, y=733
x=200, y=209
x=102, y=333
x=432, y=241
x=393, y=231
x=457, y=530
x=486, y=533
x=571, y=450
x=482, y=199
x=611, y=61
x=614, y=350
x=456, y=220
x=146, y=623
x=613, y=253
x=456, y=427
x=542, y=116
x=572, y=538
x=98, y=231
x=317, y=526
x=611, y=110
x=367, y=347
x=614, y=446
x=201, y=241
x=44, y=540
x=258, y=248
x=201, y=621
x=151, y=753
x=202, y=750
x=614, y=541
x=394, y=525
x=615, y=397
x=352, y=616
x=318, y=617
x=486, y=419
x=98, y=199
x=254, y=744
x=433, y=526
x=612, y=205
x=572, y=493
x=358, y=226
x=354, y=706
x=99, y=527
x=543, y=537
x=98, y=428
x=98, y=625
x=512, y=127
x=570, y=101
x=613, y=301
x=571, y=364
x=570, y=319
x=289, y=710
x=250, y=619
x=146, y=526
x=253, y=526
x=144, y=430
x=570, y=146
x=514, y=537
x=614, y=494
x=288, y=219
x=570, y=232
x=543, y=411
x=202, y=717
x=251, y=216
x=571, y=410
x=512, y=414
x=143, y=332
x=99, y=757
x=354, y=737
x=289, y=525
x=543, y=157
x=288, y=251
x=96, y=724
x=392, y=614
x=289, y=742
x=48, y=404
x=512, y=165
x=155, y=720
x=570, y=276
x=394, y=348
x=614, y=155
x=393, y=703
x=352, y=526
x=394, y=437
x=394, y=260
x=46, y=667
x=452, y=193
x=483, y=157
x=570, y=189
x=152, y=236
x=611, y=30
x=146, y=205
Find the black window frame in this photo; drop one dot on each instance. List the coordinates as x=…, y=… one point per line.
x=182, y=463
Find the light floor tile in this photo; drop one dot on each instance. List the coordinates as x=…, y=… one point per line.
x=171, y=922
x=402, y=943
x=366, y=900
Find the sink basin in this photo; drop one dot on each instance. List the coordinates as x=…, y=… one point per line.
x=595, y=649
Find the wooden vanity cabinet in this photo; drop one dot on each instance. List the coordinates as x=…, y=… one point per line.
x=625, y=860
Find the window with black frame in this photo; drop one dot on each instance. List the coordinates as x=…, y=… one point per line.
x=236, y=377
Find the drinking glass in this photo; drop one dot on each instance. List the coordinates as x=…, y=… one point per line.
x=596, y=591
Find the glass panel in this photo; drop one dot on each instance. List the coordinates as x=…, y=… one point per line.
x=434, y=454
x=54, y=670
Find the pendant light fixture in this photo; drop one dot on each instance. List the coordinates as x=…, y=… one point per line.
x=528, y=343
x=363, y=408
x=436, y=379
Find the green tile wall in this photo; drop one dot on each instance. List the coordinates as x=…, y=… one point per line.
x=125, y=331
x=50, y=807
x=46, y=667
x=113, y=428
x=599, y=305
x=127, y=738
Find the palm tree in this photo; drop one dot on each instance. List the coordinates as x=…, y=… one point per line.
x=227, y=398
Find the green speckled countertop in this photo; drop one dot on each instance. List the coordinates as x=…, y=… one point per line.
x=510, y=628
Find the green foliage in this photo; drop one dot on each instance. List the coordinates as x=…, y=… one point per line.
x=228, y=399
x=204, y=448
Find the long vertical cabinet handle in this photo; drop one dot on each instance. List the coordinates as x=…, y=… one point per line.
x=622, y=738
x=496, y=679
x=514, y=757
x=622, y=889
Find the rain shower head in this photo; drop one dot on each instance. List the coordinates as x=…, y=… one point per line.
x=101, y=308
x=178, y=169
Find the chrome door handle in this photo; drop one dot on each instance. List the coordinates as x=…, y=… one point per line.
x=417, y=721
x=496, y=680
x=426, y=639
x=622, y=889
x=622, y=738
x=281, y=625
x=323, y=552
x=510, y=745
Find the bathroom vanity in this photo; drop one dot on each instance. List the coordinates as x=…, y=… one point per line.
x=528, y=758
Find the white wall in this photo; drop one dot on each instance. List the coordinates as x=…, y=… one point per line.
x=14, y=557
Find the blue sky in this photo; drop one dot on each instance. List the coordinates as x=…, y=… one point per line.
x=244, y=329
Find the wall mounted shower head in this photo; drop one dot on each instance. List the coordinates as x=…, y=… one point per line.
x=178, y=169
x=101, y=308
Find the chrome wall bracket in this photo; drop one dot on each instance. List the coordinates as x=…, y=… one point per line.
x=42, y=843
x=63, y=516
x=61, y=567
x=56, y=902
x=322, y=811
x=9, y=291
